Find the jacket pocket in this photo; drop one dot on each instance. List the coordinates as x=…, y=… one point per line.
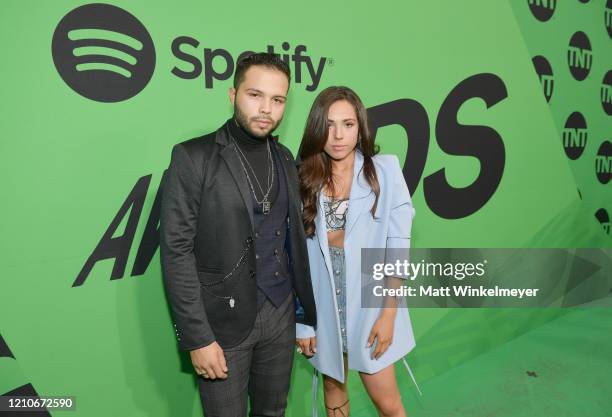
x=210, y=269
x=209, y=276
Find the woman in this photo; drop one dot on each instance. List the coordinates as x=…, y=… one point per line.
x=353, y=199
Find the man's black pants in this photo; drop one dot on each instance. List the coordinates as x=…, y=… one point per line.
x=259, y=367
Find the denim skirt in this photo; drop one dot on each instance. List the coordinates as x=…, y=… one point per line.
x=337, y=260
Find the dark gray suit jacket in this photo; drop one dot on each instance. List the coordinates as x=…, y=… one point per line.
x=206, y=228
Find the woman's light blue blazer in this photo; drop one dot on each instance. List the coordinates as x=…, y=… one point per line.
x=390, y=228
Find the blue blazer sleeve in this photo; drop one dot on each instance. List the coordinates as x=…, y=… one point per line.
x=401, y=214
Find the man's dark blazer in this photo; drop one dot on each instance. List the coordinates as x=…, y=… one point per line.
x=206, y=223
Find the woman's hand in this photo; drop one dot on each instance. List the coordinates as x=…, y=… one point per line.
x=382, y=331
x=307, y=346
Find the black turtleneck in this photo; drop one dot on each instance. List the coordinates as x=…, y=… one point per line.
x=256, y=152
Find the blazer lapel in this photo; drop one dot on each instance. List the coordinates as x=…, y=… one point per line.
x=358, y=204
x=290, y=175
x=360, y=189
x=228, y=153
x=321, y=236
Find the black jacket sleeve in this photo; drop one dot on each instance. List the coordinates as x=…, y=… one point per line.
x=178, y=226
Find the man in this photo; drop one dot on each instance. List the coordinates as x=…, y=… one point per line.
x=233, y=249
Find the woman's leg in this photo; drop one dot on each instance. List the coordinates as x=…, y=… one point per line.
x=336, y=395
x=382, y=389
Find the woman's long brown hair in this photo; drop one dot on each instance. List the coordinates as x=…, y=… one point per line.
x=315, y=168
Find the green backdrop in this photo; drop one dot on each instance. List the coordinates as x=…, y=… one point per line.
x=75, y=150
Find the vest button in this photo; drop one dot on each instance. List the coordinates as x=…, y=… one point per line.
x=276, y=274
x=278, y=233
x=276, y=251
x=256, y=256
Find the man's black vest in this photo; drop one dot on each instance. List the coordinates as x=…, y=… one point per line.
x=272, y=274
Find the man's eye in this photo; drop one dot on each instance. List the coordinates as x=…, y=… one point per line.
x=254, y=95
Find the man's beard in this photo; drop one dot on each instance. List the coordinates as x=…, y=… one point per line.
x=243, y=121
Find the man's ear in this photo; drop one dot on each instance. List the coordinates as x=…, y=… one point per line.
x=232, y=95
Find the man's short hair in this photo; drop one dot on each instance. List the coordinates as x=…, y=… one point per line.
x=260, y=58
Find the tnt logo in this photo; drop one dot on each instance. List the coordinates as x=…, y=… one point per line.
x=542, y=9
x=608, y=17
x=574, y=135
x=606, y=93
x=604, y=219
x=603, y=162
x=545, y=73
x=579, y=56
x=103, y=53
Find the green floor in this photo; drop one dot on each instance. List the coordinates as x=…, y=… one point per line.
x=560, y=368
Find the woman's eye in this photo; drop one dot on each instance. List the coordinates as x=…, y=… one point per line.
x=349, y=125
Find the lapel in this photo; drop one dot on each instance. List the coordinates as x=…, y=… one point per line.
x=321, y=236
x=228, y=153
x=290, y=176
x=360, y=189
x=358, y=203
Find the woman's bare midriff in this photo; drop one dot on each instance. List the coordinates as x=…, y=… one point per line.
x=336, y=238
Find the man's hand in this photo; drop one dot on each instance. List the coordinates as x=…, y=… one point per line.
x=307, y=346
x=209, y=361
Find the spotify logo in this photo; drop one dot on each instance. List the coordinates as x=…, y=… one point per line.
x=103, y=53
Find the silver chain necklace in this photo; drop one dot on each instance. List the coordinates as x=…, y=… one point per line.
x=265, y=203
x=251, y=168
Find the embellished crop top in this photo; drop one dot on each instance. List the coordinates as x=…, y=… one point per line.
x=335, y=212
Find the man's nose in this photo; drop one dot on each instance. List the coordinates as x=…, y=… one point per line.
x=265, y=107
